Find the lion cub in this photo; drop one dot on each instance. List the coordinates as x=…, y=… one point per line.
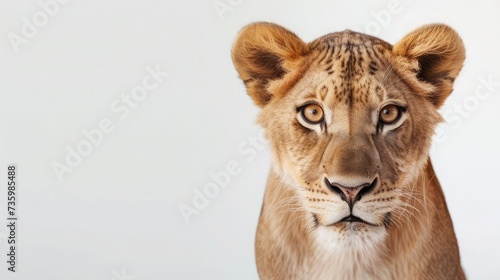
x=352, y=193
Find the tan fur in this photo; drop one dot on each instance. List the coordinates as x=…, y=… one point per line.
x=405, y=230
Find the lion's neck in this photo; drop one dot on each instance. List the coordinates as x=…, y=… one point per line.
x=288, y=244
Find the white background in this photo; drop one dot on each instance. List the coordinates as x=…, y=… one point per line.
x=116, y=215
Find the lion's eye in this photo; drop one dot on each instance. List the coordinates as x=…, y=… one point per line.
x=389, y=114
x=312, y=113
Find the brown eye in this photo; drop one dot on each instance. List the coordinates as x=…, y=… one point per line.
x=312, y=113
x=390, y=114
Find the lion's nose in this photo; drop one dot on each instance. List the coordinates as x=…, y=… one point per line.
x=351, y=194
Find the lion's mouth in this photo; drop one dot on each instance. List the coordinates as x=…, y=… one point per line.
x=352, y=219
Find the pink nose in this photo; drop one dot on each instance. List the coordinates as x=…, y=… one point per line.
x=351, y=194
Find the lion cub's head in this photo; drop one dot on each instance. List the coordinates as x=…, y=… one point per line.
x=349, y=117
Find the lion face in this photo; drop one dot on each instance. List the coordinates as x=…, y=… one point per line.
x=350, y=135
x=349, y=119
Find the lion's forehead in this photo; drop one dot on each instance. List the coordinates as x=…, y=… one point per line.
x=351, y=68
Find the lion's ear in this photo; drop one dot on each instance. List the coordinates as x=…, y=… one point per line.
x=440, y=54
x=264, y=52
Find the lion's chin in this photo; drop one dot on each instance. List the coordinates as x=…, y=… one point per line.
x=350, y=237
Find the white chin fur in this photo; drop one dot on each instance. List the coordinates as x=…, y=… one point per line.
x=355, y=254
x=352, y=240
